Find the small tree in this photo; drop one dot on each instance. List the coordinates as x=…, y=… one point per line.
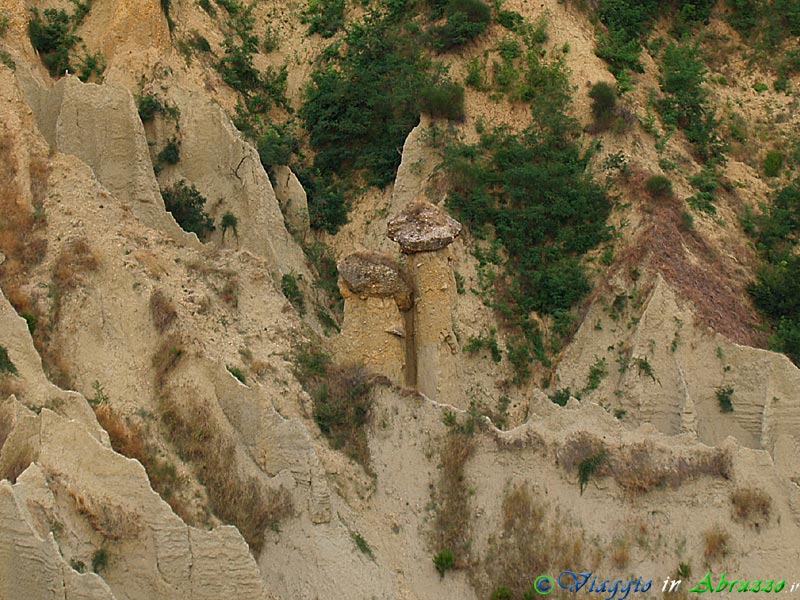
x=229, y=221
x=604, y=101
x=186, y=205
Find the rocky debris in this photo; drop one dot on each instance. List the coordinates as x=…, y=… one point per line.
x=374, y=275
x=422, y=227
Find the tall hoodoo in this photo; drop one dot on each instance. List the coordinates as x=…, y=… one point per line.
x=426, y=231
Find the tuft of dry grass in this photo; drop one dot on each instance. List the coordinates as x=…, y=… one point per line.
x=110, y=520
x=129, y=440
x=234, y=497
x=641, y=467
x=162, y=311
x=22, y=457
x=534, y=539
x=165, y=359
x=451, y=526
x=620, y=552
x=72, y=263
x=125, y=439
x=751, y=505
x=716, y=543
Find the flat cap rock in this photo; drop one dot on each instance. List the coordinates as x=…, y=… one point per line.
x=422, y=227
x=376, y=275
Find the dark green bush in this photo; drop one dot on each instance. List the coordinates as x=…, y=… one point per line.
x=444, y=561
x=236, y=372
x=685, y=102
x=149, y=106
x=531, y=193
x=604, y=103
x=90, y=64
x=659, y=186
x=502, y=593
x=53, y=37
x=99, y=560
x=464, y=23
x=6, y=366
x=776, y=292
x=444, y=100
x=364, y=100
x=561, y=397
x=767, y=23
x=327, y=209
x=187, y=207
x=199, y=42
x=510, y=19
x=229, y=221
x=342, y=409
x=170, y=154
x=208, y=7
x=165, y=8
x=773, y=163
x=293, y=293
x=476, y=344
x=724, y=395
x=324, y=17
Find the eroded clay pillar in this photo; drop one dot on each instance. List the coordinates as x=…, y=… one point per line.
x=424, y=231
x=375, y=293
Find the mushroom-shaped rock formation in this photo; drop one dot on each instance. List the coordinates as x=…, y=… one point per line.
x=371, y=274
x=422, y=227
x=374, y=330
x=426, y=231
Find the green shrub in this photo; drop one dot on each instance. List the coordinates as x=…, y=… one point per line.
x=466, y=20
x=561, y=397
x=445, y=100
x=229, y=221
x=773, y=163
x=502, y=593
x=293, y=293
x=99, y=560
x=687, y=221
x=362, y=544
x=53, y=37
x=91, y=64
x=6, y=366
x=327, y=209
x=236, y=372
x=5, y=59
x=724, y=394
x=149, y=106
x=342, y=408
x=510, y=19
x=659, y=186
x=476, y=344
x=597, y=373
x=199, y=42
x=604, y=102
x=187, y=207
x=324, y=17
x=588, y=467
x=170, y=154
x=363, y=100
x=685, y=103
x=4, y=23
x=444, y=561
x=165, y=8
x=208, y=7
